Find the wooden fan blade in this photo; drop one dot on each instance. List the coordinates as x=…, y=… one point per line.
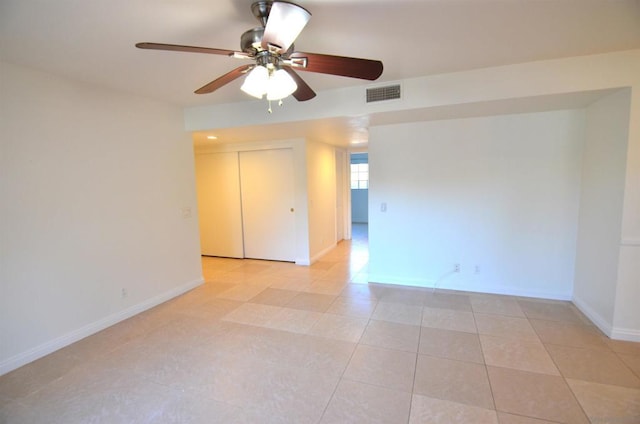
x=284, y=24
x=224, y=79
x=179, y=48
x=338, y=65
x=303, y=92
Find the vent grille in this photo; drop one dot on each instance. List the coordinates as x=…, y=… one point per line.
x=379, y=94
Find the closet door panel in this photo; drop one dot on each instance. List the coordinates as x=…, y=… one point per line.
x=268, y=216
x=219, y=207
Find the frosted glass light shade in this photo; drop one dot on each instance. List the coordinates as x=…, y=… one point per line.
x=255, y=84
x=285, y=22
x=280, y=85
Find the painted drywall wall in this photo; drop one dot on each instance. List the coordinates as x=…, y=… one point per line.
x=601, y=205
x=321, y=183
x=497, y=195
x=98, y=195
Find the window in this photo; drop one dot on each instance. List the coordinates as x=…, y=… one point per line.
x=359, y=176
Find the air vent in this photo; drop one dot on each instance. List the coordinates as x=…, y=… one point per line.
x=379, y=94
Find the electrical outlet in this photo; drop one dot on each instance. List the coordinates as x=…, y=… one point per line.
x=456, y=267
x=123, y=293
x=476, y=270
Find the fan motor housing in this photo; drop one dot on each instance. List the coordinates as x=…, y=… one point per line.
x=251, y=40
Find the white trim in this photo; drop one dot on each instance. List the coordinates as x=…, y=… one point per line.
x=630, y=242
x=628, y=334
x=446, y=285
x=46, y=348
x=605, y=326
x=323, y=252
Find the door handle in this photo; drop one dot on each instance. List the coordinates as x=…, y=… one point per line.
x=291, y=209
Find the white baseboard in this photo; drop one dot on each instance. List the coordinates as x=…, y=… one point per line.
x=615, y=333
x=46, y=348
x=323, y=252
x=443, y=284
x=604, y=325
x=628, y=334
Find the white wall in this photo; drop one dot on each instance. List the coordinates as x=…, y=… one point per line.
x=500, y=193
x=601, y=205
x=94, y=185
x=321, y=183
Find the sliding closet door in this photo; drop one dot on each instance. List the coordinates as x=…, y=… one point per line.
x=267, y=190
x=219, y=212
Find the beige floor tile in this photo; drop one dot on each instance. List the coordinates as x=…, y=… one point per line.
x=451, y=344
x=568, y=334
x=632, y=361
x=500, y=305
x=535, y=395
x=426, y=410
x=355, y=402
x=327, y=356
x=507, y=327
x=607, y=404
x=96, y=395
x=391, y=335
x=362, y=291
x=252, y=314
x=187, y=408
x=353, y=306
x=360, y=278
x=445, y=300
x=396, y=312
x=561, y=311
x=403, y=295
x=311, y=302
x=281, y=393
x=517, y=354
x=504, y=418
x=212, y=310
x=241, y=292
x=340, y=327
x=275, y=297
x=292, y=285
x=294, y=320
x=447, y=319
x=323, y=264
x=391, y=369
x=457, y=381
x=625, y=347
x=326, y=287
x=595, y=365
x=25, y=380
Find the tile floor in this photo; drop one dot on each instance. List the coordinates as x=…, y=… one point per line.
x=268, y=342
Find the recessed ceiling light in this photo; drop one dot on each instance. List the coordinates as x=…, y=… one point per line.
x=212, y=137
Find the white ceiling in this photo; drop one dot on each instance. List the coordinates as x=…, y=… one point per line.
x=93, y=40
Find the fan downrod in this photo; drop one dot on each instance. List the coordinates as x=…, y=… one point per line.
x=261, y=9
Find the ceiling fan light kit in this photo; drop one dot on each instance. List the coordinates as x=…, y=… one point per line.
x=271, y=48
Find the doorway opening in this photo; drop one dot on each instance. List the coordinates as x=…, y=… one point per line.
x=359, y=170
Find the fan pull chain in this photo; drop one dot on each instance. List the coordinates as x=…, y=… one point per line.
x=271, y=110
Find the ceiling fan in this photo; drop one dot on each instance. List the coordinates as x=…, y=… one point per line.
x=275, y=62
